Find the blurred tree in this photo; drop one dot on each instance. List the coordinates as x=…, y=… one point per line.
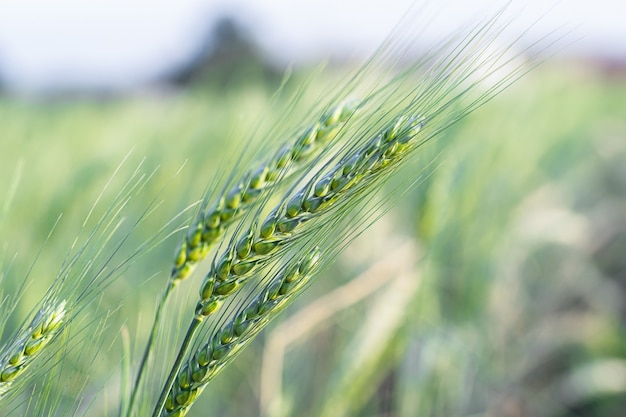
x=226, y=56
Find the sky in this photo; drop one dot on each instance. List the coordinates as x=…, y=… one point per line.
x=120, y=43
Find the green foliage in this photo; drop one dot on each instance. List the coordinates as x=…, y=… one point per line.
x=516, y=306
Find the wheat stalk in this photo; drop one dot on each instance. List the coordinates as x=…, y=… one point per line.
x=21, y=353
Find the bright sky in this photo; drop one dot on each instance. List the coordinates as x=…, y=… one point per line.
x=122, y=42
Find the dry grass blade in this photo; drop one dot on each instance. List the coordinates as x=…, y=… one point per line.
x=306, y=323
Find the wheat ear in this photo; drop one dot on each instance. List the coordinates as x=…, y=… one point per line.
x=281, y=226
x=21, y=353
x=223, y=346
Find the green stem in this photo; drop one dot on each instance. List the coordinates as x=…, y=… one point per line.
x=177, y=365
x=149, y=345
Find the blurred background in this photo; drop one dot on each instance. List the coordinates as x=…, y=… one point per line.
x=122, y=46
x=496, y=288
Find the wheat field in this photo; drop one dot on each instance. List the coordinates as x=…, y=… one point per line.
x=480, y=273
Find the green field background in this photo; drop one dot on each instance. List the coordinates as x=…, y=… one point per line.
x=513, y=303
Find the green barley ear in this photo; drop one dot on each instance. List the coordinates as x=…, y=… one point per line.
x=17, y=357
x=94, y=260
x=222, y=347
